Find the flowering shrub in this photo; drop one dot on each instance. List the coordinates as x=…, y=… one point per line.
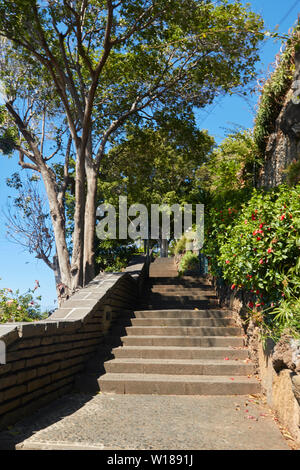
x=261, y=252
x=256, y=246
x=16, y=307
x=221, y=215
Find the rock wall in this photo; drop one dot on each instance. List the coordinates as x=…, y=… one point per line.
x=278, y=365
x=283, y=145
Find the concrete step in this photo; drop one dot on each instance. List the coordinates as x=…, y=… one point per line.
x=177, y=287
x=155, y=297
x=182, y=291
x=178, y=313
x=199, y=304
x=176, y=352
x=157, y=274
x=184, y=331
x=177, y=384
x=183, y=341
x=182, y=281
x=182, y=322
x=178, y=366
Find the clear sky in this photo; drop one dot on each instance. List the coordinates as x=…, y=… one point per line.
x=230, y=111
x=19, y=270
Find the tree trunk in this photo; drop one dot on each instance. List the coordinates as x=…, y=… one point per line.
x=89, y=226
x=79, y=221
x=58, y=222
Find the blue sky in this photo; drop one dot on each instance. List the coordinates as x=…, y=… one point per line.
x=230, y=111
x=19, y=270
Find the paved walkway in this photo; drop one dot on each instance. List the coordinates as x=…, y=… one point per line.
x=142, y=422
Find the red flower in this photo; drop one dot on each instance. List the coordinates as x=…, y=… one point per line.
x=258, y=238
x=270, y=250
x=261, y=261
x=282, y=217
x=246, y=221
x=233, y=287
x=227, y=261
x=251, y=304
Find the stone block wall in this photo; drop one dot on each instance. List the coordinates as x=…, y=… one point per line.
x=43, y=358
x=278, y=365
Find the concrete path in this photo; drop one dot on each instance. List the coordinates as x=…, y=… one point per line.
x=142, y=422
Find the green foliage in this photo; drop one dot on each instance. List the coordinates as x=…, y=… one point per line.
x=221, y=213
x=255, y=246
x=180, y=246
x=16, y=307
x=156, y=164
x=231, y=164
x=274, y=93
x=261, y=249
x=287, y=319
x=112, y=256
x=189, y=262
x=8, y=133
x=293, y=172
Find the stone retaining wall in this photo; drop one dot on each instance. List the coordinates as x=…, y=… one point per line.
x=278, y=365
x=44, y=357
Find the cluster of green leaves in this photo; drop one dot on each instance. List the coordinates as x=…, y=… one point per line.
x=112, y=256
x=274, y=92
x=286, y=318
x=231, y=165
x=293, y=172
x=221, y=213
x=8, y=133
x=188, y=262
x=156, y=164
x=180, y=246
x=256, y=247
x=16, y=307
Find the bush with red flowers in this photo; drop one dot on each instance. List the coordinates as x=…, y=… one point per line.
x=259, y=250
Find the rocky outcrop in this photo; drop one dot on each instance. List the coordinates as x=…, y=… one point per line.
x=283, y=145
x=286, y=354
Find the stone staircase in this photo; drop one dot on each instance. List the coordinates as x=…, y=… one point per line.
x=179, y=343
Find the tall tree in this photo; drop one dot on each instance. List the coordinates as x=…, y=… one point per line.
x=83, y=68
x=156, y=164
